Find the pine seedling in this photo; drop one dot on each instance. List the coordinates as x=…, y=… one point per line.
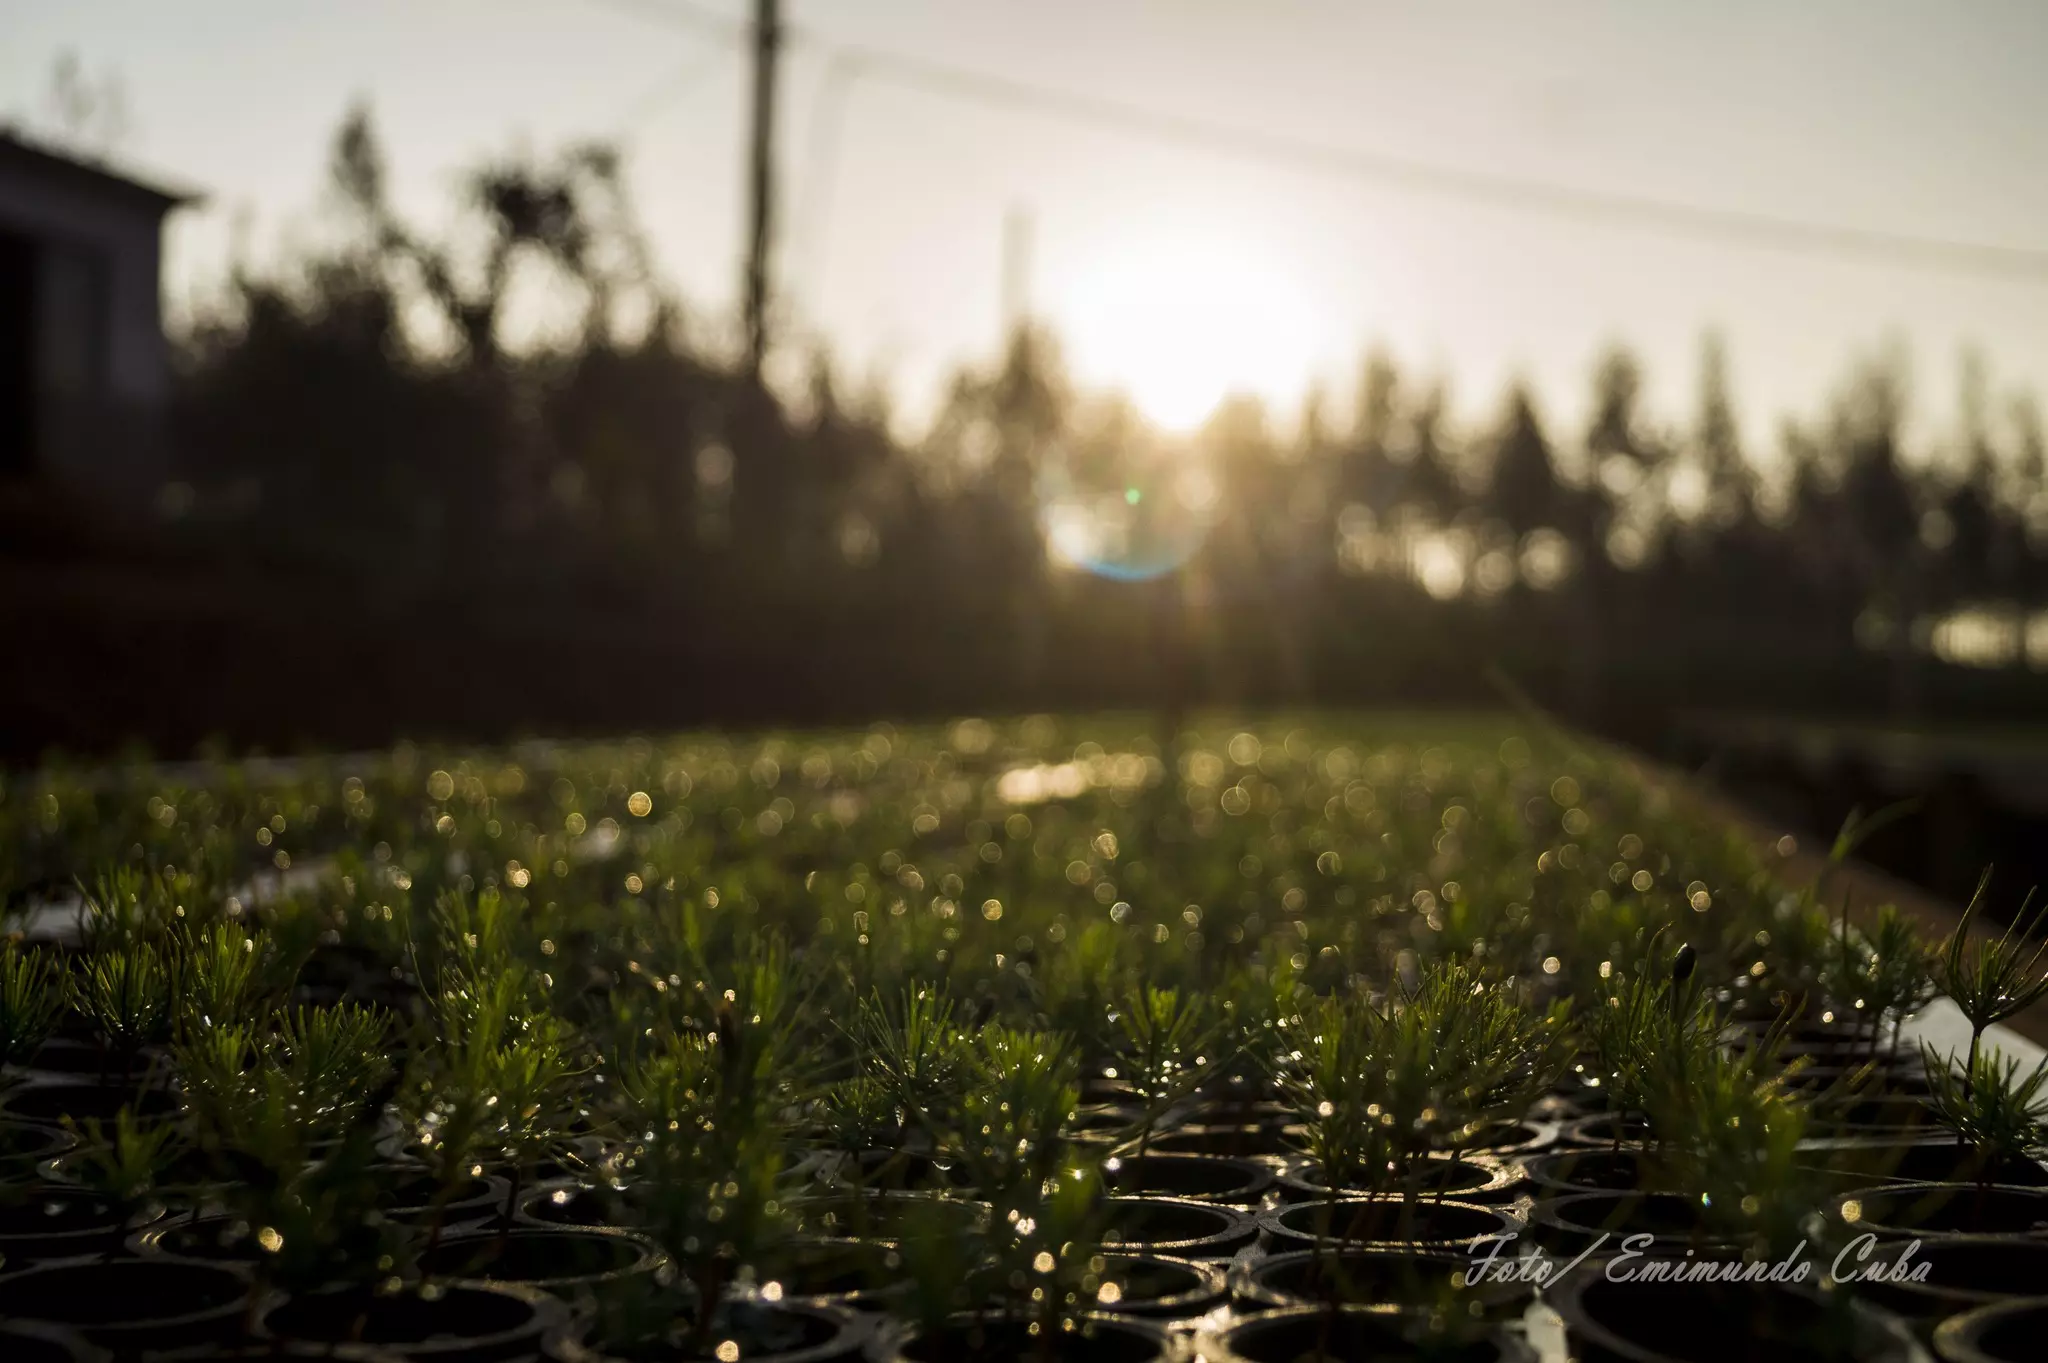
x=534, y=1080
x=1330, y=1077
x=708, y=1115
x=1991, y=1107
x=916, y=1051
x=1733, y=1128
x=1892, y=975
x=225, y=974
x=1077, y=981
x=31, y=996
x=126, y=994
x=946, y=1271
x=1053, y=1249
x=265, y=1105
x=212, y=1066
x=1019, y=1090
x=264, y=1101
x=1493, y=1053
x=858, y=1115
x=1168, y=1047
x=113, y=911
x=1647, y=1033
x=334, y=1058
x=709, y=1151
x=324, y=1227
x=446, y=1103
x=1991, y=981
x=128, y=1162
x=1256, y=1009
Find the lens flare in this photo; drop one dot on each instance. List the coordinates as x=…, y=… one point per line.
x=1137, y=520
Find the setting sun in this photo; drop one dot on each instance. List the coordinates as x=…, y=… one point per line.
x=1179, y=326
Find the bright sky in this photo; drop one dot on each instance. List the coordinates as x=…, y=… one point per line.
x=1175, y=272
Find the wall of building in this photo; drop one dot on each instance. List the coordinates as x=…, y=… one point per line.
x=103, y=372
x=130, y=234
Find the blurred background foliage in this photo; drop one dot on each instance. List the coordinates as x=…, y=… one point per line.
x=388, y=518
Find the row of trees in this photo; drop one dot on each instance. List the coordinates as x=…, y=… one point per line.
x=364, y=412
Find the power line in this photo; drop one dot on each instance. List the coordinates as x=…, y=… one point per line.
x=1269, y=148
x=686, y=14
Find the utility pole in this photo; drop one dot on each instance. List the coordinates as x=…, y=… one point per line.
x=1016, y=271
x=761, y=180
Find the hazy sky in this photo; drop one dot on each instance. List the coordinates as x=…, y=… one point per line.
x=1928, y=119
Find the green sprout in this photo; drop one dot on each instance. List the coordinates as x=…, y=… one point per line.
x=535, y=1079
x=1995, y=979
x=31, y=997
x=859, y=1115
x=1169, y=1044
x=915, y=1052
x=128, y=1162
x=1889, y=977
x=125, y=992
x=1990, y=1107
x=226, y=972
x=1647, y=1037
x=709, y=1150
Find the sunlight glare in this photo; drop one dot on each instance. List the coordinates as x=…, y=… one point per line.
x=1180, y=326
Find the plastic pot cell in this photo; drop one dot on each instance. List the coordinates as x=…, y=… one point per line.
x=1472, y=1178
x=998, y=1339
x=410, y=1195
x=455, y=1323
x=748, y=1331
x=1892, y=1114
x=1564, y=1172
x=1672, y=1220
x=82, y=1102
x=24, y=1145
x=130, y=1304
x=75, y=1058
x=1961, y=1272
x=886, y=1216
x=29, y=1341
x=1101, y=1125
x=215, y=1239
x=577, y=1205
x=1423, y=1223
x=861, y=1274
x=897, y=1171
x=555, y=1258
x=1606, y=1130
x=1250, y=1112
x=1935, y=1160
x=2010, y=1332
x=1159, y=1286
x=1514, y=1138
x=1941, y=1209
x=1829, y=1079
x=188, y=1168
x=1236, y=1141
x=1172, y=1225
x=1394, y=1279
x=1638, y=1321
x=52, y=1222
x=1200, y=1178
x=1319, y=1334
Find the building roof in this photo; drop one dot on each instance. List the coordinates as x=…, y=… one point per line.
x=26, y=159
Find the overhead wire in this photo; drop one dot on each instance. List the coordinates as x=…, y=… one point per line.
x=849, y=61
